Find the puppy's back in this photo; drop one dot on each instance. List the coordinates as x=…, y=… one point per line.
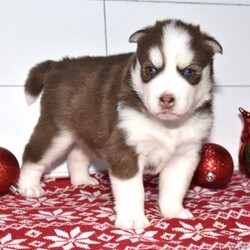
x=81, y=94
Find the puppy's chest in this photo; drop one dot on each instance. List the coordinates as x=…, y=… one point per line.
x=155, y=148
x=154, y=144
x=153, y=155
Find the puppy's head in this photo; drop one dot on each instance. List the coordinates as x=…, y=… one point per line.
x=174, y=67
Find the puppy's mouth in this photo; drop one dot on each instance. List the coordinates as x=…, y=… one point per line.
x=169, y=115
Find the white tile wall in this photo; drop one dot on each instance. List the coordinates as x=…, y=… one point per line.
x=227, y=120
x=32, y=31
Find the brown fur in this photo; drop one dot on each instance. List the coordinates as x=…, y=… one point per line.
x=81, y=96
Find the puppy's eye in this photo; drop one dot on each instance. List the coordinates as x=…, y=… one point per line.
x=151, y=71
x=188, y=73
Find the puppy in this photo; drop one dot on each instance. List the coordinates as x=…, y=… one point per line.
x=144, y=112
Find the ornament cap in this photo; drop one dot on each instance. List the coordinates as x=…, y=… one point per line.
x=15, y=189
x=210, y=177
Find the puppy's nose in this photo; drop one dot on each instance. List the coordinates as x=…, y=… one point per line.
x=167, y=101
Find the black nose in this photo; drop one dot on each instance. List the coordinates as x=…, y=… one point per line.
x=167, y=101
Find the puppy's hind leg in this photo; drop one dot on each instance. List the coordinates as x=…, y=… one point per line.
x=78, y=165
x=40, y=153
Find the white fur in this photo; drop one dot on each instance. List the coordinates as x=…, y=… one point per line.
x=175, y=179
x=156, y=57
x=157, y=142
x=172, y=148
x=129, y=202
x=30, y=99
x=176, y=47
x=78, y=162
x=29, y=181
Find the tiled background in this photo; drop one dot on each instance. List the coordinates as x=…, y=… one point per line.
x=33, y=31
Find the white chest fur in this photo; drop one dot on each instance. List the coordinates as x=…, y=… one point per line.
x=156, y=142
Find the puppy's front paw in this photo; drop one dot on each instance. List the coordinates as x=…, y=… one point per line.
x=132, y=222
x=180, y=213
x=86, y=180
x=33, y=191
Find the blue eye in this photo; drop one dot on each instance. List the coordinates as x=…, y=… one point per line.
x=151, y=71
x=187, y=73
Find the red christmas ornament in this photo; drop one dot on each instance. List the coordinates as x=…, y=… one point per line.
x=215, y=168
x=9, y=170
x=244, y=154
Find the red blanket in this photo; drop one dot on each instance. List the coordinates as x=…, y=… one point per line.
x=82, y=218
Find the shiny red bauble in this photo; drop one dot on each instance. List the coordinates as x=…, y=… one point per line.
x=215, y=168
x=9, y=170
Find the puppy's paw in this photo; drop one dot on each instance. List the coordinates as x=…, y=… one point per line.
x=33, y=191
x=180, y=213
x=86, y=180
x=132, y=222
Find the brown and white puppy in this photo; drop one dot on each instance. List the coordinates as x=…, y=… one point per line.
x=144, y=112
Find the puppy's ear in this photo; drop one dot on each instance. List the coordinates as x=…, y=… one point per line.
x=215, y=45
x=135, y=37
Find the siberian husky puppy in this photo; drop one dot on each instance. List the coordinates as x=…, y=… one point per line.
x=144, y=112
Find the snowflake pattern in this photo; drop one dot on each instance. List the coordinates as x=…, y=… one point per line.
x=242, y=229
x=55, y=215
x=135, y=235
x=82, y=217
x=7, y=243
x=39, y=202
x=4, y=218
x=225, y=205
x=196, y=232
x=75, y=238
x=105, y=212
x=199, y=193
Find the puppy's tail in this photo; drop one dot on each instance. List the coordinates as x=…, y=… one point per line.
x=34, y=83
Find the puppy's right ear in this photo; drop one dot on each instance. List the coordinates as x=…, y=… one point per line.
x=136, y=37
x=215, y=45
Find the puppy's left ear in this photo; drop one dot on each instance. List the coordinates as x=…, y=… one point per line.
x=215, y=45
x=135, y=37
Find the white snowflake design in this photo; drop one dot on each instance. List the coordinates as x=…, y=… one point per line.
x=199, y=193
x=135, y=235
x=4, y=218
x=195, y=232
x=105, y=212
x=225, y=205
x=84, y=195
x=149, y=196
x=75, y=238
x=240, y=185
x=242, y=229
x=6, y=243
x=55, y=215
x=39, y=202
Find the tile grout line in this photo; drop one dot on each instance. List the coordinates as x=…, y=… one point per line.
x=215, y=86
x=11, y=86
x=183, y=2
x=105, y=27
